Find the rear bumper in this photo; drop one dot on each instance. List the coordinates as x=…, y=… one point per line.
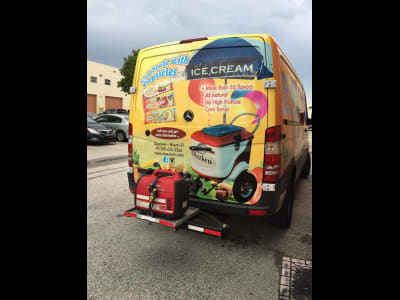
x=269, y=203
x=230, y=208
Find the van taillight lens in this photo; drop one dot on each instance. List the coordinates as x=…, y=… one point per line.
x=130, y=145
x=272, y=154
x=273, y=134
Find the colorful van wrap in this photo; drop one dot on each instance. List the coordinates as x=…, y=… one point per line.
x=202, y=108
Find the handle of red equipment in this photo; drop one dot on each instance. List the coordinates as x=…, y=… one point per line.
x=165, y=172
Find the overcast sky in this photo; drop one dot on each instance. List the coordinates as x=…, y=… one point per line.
x=115, y=27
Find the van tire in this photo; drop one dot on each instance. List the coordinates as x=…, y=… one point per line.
x=283, y=218
x=121, y=136
x=307, y=167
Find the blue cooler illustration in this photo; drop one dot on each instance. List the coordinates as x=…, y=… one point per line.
x=221, y=153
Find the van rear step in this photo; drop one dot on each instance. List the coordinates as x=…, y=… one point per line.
x=193, y=219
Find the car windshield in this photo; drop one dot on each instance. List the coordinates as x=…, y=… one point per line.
x=91, y=121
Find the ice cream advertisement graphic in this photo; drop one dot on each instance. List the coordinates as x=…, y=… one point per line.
x=159, y=102
x=221, y=147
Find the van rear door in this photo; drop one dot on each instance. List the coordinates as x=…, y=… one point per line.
x=207, y=95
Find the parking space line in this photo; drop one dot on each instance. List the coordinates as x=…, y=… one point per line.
x=94, y=177
x=124, y=167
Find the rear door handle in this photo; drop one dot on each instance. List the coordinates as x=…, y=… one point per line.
x=196, y=148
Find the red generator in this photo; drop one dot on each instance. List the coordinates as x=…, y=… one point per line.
x=163, y=193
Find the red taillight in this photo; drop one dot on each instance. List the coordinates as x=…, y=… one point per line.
x=272, y=154
x=273, y=159
x=193, y=40
x=273, y=134
x=271, y=178
x=130, y=145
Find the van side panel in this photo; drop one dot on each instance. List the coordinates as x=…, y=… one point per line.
x=292, y=109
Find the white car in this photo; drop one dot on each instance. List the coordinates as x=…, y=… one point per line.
x=119, y=123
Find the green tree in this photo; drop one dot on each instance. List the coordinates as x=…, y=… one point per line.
x=127, y=71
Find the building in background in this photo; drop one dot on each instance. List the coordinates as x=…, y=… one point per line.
x=102, y=90
x=309, y=112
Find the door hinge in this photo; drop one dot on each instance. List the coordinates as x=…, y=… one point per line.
x=132, y=90
x=269, y=84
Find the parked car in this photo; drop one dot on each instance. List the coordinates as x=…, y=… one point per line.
x=98, y=132
x=119, y=123
x=91, y=115
x=115, y=111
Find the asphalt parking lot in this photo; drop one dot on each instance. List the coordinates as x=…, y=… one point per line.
x=131, y=259
x=107, y=150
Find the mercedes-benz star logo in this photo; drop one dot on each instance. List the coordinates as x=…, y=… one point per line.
x=188, y=115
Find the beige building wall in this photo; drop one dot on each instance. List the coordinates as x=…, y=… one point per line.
x=100, y=89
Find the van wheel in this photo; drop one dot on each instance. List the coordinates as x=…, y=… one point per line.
x=307, y=167
x=121, y=136
x=283, y=218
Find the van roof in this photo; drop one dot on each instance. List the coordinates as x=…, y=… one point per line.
x=265, y=36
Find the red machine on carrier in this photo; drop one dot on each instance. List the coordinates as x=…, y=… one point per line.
x=163, y=193
x=161, y=196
